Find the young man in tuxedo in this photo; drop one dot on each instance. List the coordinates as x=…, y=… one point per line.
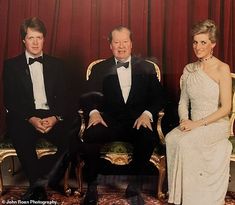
x=34, y=97
x=132, y=97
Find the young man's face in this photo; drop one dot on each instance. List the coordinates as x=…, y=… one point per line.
x=34, y=42
x=121, y=44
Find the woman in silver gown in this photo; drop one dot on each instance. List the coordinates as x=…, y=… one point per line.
x=198, y=150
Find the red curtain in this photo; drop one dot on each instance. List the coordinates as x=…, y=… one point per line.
x=78, y=29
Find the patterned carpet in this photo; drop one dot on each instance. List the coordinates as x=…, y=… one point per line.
x=106, y=197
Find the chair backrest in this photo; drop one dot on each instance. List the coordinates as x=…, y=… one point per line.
x=232, y=118
x=232, y=114
x=89, y=68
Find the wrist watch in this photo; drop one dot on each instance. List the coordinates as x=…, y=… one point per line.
x=59, y=118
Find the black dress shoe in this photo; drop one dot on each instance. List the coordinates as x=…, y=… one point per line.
x=136, y=200
x=27, y=195
x=35, y=193
x=132, y=190
x=133, y=195
x=91, y=197
x=40, y=194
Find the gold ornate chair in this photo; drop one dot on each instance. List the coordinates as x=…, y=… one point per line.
x=43, y=148
x=120, y=153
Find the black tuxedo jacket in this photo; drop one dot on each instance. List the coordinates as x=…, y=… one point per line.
x=146, y=92
x=18, y=88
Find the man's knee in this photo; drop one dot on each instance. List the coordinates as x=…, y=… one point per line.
x=96, y=134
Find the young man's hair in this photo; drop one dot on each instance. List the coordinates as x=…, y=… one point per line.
x=35, y=24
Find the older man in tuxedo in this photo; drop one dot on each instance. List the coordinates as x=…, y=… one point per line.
x=132, y=97
x=34, y=96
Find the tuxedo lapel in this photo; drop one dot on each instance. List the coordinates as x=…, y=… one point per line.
x=133, y=81
x=114, y=81
x=117, y=88
x=48, y=76
x=25, y=75
x=26, y=78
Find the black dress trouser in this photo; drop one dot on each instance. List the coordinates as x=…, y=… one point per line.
x=143, y=141
x=24, y=138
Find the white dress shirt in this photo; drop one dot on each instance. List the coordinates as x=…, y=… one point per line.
x=124, y=77
x=36, y=73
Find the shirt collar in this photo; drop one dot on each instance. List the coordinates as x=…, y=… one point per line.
x=28, y=55
x=127, y=60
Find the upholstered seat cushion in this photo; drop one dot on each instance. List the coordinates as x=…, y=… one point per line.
x=6, y=143
x=125, y=148
x=232, y=140
x=117, y=147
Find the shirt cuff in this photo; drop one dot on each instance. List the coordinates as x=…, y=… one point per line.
x=93, y=111
x=149, y=114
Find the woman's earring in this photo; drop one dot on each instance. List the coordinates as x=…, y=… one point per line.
x=212, y=51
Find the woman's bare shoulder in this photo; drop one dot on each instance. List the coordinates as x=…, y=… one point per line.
x=222, y=68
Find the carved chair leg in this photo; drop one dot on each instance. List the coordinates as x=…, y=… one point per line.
x=11, y=168
x=1, y=180
x=79, y=191
x=162, y=173
x=67, y=189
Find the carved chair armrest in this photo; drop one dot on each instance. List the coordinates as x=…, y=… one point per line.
x=159, y=127
x=232, y=140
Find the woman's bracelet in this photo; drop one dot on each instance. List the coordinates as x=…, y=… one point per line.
x=204, y=122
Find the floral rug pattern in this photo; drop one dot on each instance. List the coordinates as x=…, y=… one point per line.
x=106, y=197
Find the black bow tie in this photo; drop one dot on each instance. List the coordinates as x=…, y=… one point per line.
x=120, y=64
x=38, y=59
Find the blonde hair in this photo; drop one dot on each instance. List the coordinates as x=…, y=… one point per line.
x=206, y=26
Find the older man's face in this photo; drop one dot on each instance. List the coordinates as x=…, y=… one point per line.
x=121, y=44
